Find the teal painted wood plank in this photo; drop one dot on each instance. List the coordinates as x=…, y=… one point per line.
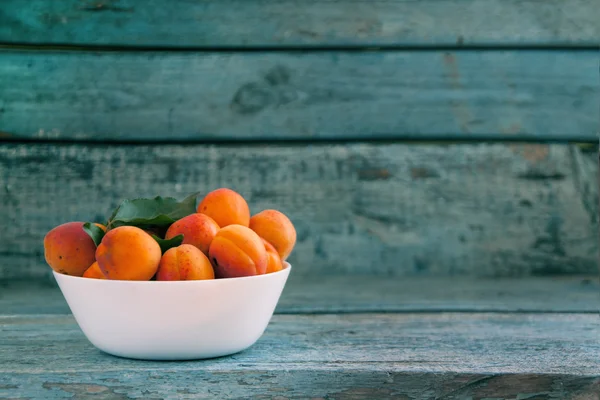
x=354, y=383
x=321, y=95
x=371, y=356
x=301, y=23
x=387, y=210
x=315, y=295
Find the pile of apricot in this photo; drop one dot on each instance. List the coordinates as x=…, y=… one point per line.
x=220, y=240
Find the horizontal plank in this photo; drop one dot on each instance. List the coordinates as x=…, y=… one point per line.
x=191, y=96
x=351, y=356
x=315, y=295
x=391, y=210
x=300, y=23
x=341, y=384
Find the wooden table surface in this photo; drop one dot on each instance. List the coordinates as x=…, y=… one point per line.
x=346, y=337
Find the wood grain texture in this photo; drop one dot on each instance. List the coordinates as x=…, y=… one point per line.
x=300, y=23
x=435, y=356
x=340, y=384
x=361, y=294
x=392, y=210
x=311, y=95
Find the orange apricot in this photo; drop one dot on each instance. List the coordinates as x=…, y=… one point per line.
x=184, y=263
x=274, y=263
x=276, y=228
x=197, y=229
x=128, y=253
x=68, y=249
x=237, y=251
x=226, y=207
x=94, y=272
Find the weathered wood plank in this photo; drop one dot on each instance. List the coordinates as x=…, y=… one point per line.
x=360, y=294
x=320, y=95
x=450, y=356
x=340, y=384
x=484, y=210
x=457, y=342
x=300, y=23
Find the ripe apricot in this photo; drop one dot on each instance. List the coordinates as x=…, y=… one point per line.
x=197, y=229
x=276, y=228
x=94, y=272
x=128, y=253
x=226, y=207
x=184, y=263
x=237, y=251
x=274, y=263
x=68, y=249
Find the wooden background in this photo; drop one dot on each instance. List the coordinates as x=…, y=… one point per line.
x=308, y=23
x=394, y=209
x=324, y=109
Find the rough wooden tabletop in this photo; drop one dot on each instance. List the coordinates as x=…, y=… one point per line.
x=441, y=355
x=348, y=337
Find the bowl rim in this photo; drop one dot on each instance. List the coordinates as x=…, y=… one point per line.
x=287, y=267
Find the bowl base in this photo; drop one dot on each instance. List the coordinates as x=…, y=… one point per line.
x=171, y=357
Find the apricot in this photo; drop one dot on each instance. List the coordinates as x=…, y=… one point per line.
x=226, y=207
x=197, y=229
x=128, y=253
x=68, y=249
x=274, y=263
x=276, y=228
x=237, y=251
x=94, y=272
x=184, y=263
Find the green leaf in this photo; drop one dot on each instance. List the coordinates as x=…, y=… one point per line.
x=166, y=244
x=157, y=211
x=94, y=231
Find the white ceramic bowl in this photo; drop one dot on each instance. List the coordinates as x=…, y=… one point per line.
x=177, y=320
